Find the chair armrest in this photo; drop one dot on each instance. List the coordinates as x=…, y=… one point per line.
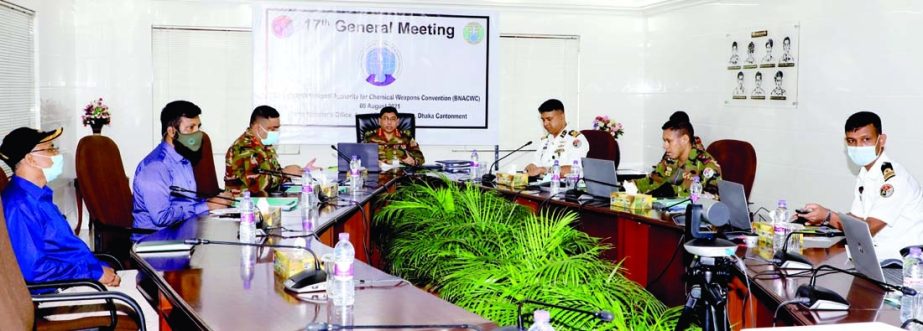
x=106, y=295
x=113, y=262
x=63, y=284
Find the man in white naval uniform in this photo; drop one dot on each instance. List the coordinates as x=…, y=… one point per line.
x=559, y=143
x=886, y=196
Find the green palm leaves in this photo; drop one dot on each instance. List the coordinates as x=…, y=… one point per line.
x=485, y=253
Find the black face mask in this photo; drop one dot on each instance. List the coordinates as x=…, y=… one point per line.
x=193, y=156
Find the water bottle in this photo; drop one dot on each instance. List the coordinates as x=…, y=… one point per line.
x=780, y=218
x=576, y=171
x=475, y=167
x=355, y=179
x=247, y=261
x=344, y=289
x=913, y=278
x=555, y=178
x=395, y=162
x=695, y=190
x=247, y=218
x=308, y=196
x=542, y=321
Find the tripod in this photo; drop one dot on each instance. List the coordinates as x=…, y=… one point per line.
x=707, y=300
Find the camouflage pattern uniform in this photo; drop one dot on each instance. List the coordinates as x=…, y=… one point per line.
x=244, y=157
x=400, y=145
x=679, y=175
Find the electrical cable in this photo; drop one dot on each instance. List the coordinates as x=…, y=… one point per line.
x=785, y=303
x=743, y=267
x=672, y=257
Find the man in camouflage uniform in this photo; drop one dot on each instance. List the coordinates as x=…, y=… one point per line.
x=674, y=174
x=393, y=142
x=253, y=151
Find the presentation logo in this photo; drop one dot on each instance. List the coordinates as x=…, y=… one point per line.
x=382, y=65
x=282, y=26
x=473, y=33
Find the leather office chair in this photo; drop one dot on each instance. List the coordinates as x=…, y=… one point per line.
x=107, y=194
x=602, y=146
x=18, y=308
x=3, y=180
x=737, y=160
x=367, y=123
x=206, y=177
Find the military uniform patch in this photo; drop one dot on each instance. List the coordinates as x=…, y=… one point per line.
x=708, y=173
x=574, y=133
x=577, y=143
x=887, y=170
x=887, y=190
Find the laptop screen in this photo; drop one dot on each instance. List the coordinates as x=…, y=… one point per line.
x=732, y=194
x=599, y=176
x=367, y=153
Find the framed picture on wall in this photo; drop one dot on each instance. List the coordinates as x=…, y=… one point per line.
x=761, y=67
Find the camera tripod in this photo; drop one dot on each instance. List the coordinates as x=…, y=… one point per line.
x=707, y=299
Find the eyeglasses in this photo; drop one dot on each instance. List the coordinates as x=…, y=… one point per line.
x=53, y=149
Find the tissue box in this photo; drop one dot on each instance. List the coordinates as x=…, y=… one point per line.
x=516, y=180
x=288, y=262
x=631, y=201
x=271, y=216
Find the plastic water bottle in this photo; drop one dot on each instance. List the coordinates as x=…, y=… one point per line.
x=247, y=227
x=355, y=180
x=344, y=288
x=780, y=218
x=695, y=190
x=308, y=196
x=542, y=321
x=475, y=167
x=247, y=262
x=576, y=171
x=913, y=278
x=555, y=178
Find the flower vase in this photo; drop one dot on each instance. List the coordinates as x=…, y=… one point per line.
x=97, y=127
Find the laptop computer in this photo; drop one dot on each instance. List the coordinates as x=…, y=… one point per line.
x=367, y=153
x=600, y=178
x=862, y=250
x=733, y=196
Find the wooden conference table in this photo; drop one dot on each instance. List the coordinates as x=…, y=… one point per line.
x=205, y=290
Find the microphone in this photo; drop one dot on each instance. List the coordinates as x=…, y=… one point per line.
x=277, y=173
x=602, y=315
x=303, y=279
x=175, y=188
x=785, y=260
x=180, y=195
x=342, y=156
x=331, y=327
x=489, y=177
x=825, y=299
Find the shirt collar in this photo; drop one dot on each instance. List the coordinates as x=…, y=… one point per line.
x=170, y=152
x=381, y=133
x=563, y=132
x=251, y=139
x=875, y=171
x=30, y=188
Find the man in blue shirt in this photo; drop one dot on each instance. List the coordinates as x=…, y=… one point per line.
x=45, y=247
x=164, y=179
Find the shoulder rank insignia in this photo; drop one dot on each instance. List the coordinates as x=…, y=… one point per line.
x=887, y=170
x=574, y=133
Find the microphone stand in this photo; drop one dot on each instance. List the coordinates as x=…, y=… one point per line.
x=178, y=194
x=330, y=327
x=342, y=156
x=783, y=256
x=175, y=188
x=903, y=289
x=198, y=241
x=602, y=315
x=277, y=173
x=489, y=177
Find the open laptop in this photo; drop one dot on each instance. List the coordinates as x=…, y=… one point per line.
x=733, y=196
x=862, y=250
x=367, y=153
x=600, y=178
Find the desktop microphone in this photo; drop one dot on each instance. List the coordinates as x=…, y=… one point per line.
x=825, y=299
x=331, y=327
x=489, y=177
x=277, y=173
x=181, y=195
x=602, y=315
x=304, y=279
x=342, y=156
x=787, y=260
x=177, y=189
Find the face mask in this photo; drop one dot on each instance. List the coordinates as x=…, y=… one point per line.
x=272, y=137
x=189, y=145
x=57, y=167
x=861, y=155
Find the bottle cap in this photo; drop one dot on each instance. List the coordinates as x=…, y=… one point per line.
x=344, y=236
x=782, y=203
x=541, y=316
x=246, y=194
x=915, y=251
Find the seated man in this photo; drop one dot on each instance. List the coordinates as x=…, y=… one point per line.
x=886, y=195
x=674, y=174
x=392, y=143
x=45, y=247
x=253, y=152
x=559, y=142
x=156, y=205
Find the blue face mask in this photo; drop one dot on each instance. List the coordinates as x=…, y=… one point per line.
x=272, y=137
x=57, y=167
x=862, y=155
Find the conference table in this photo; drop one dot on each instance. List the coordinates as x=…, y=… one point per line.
x=206, y=289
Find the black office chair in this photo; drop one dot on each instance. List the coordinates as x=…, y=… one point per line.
x=366, y=124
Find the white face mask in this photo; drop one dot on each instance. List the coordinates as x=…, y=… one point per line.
x=862, y=155
x=57, y=167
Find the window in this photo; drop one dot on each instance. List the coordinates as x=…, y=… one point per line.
x=17, y=69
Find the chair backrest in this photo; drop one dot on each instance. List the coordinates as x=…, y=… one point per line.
x=206, y=177
x=3, y=179
x=406, y=123
x=103, y=183
x=737, y=160
x=16, y=310
x=602, y=146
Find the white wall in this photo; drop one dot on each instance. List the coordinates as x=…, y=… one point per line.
x=854, y=55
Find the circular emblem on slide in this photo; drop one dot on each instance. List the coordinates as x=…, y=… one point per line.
x=473, y=33
x=382, y=65
x=282, y=26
